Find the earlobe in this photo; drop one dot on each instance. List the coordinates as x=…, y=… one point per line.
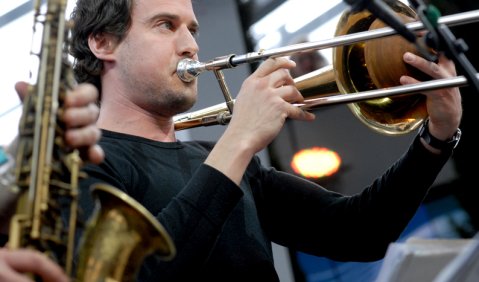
x=102, y=45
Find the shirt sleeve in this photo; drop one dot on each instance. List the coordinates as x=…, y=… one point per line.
x=311, y=219
x=195, y=218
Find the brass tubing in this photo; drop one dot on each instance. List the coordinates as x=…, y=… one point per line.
x=189, y=69
x=208, y=116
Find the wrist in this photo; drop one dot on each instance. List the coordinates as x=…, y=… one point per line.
x=435, y=144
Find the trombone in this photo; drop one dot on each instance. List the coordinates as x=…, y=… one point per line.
x=357, y=77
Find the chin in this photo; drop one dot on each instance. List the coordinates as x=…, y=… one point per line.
x=188, y=104
x=182, y=104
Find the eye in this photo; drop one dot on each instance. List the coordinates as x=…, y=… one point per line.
x=165, y=25
x=194, y=32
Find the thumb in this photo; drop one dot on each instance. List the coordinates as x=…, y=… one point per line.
x=22, y=89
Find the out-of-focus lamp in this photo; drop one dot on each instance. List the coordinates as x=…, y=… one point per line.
x=315, y=162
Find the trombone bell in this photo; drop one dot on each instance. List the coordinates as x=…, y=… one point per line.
x=377, y=64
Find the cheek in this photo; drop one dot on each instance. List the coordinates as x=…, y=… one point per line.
x=139, y=51
x=154, y=59
x=148, y=58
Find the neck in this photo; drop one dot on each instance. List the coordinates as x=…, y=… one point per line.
x=118, y=117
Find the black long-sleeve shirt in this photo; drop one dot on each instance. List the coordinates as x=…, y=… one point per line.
x=223, y=232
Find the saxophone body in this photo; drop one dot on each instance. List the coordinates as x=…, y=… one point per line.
x=120, y=232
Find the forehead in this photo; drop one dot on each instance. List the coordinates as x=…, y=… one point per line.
x=149, y=8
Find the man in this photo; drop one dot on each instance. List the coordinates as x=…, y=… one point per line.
x=219, y=204
x=80, y=116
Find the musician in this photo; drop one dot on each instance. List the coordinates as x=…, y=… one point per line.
x=80, y=117
x=219, y=204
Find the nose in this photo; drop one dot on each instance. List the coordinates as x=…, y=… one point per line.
x=187, y=46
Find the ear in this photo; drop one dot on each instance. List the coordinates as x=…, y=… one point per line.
x=102, y=45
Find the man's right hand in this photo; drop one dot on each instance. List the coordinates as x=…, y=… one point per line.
x=14, y=264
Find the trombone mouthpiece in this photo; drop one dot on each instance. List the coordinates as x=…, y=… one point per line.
x=188, y=69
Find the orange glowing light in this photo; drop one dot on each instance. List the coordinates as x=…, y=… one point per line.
x=315, y=162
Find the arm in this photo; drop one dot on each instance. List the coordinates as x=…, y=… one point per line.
x=261, y=108
x=366, y=223
x=349, y=228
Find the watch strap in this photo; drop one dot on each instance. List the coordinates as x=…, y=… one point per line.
x=442, y=145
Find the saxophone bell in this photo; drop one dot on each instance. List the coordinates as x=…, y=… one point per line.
x=135, y=231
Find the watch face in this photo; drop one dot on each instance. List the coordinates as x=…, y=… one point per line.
x=456, y=138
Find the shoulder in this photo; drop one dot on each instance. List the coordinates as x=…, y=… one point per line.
x=200, y=145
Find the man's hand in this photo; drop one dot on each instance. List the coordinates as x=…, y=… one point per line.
x=15, y=263
x=80, y=116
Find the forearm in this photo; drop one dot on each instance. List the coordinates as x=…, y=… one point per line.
x=195, y=219
x=231, y=157
x=363, y=224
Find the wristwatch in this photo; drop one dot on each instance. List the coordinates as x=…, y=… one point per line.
x=443, y=146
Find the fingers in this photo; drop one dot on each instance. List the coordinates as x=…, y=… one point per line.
x=273, y=64
x=444, y=68
x=22, y=89
x=281, y=77
x=80, y=106
x=80, y=117
x=95, y=154
x=291, y=95
x=83, y=95
x=278, y=77
x=300, y=114
x=83, y=136
x=443, y=105
x=275, y=74
x=13, y=263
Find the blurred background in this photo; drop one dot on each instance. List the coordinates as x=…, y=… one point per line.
x=358, y=154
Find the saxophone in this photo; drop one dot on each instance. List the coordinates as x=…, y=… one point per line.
x=121, y=232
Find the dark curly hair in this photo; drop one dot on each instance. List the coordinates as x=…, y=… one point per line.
x=95, y=17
